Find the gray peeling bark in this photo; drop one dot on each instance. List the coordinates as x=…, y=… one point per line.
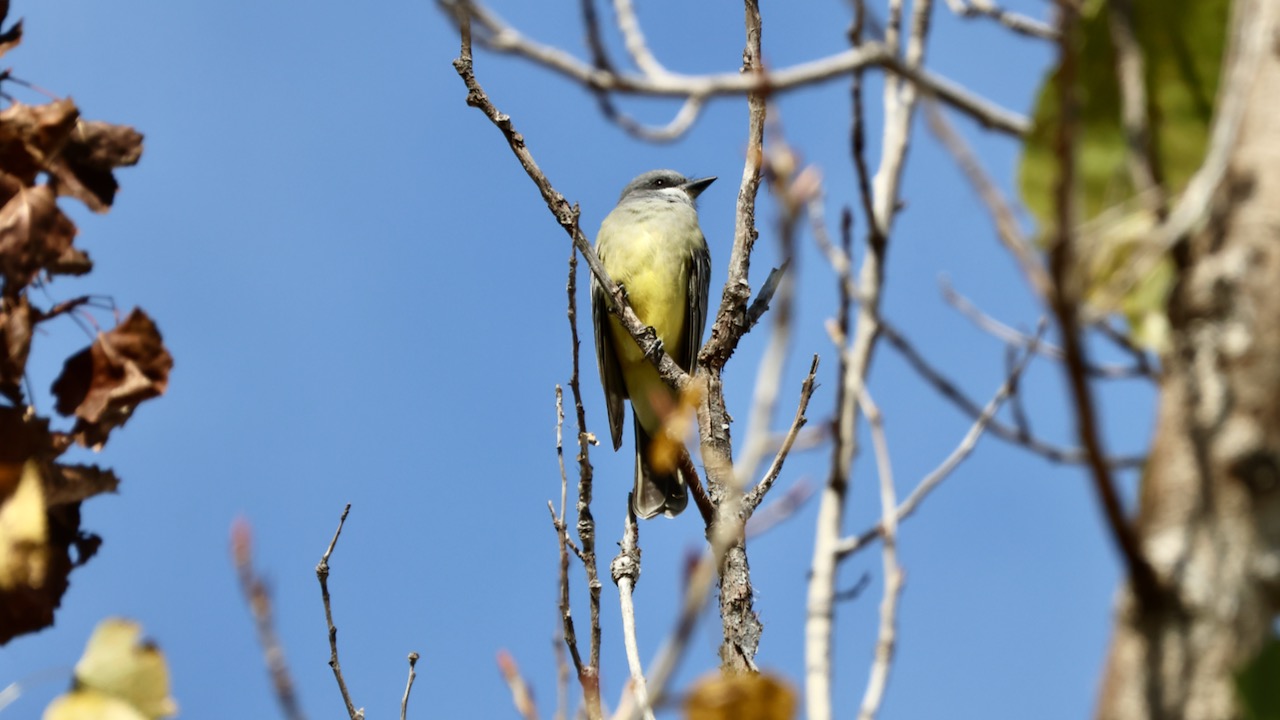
x=1209, y=518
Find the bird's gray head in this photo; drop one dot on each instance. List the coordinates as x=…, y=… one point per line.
x=664, y=185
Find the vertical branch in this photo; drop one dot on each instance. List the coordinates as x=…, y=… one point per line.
x=322, y=574
x=886, y=641
x=590, y=674
x=413, y=675
x=1064, y=299
x=259, y=600
x=900, y=101
x=741, y=625
x=625, y=571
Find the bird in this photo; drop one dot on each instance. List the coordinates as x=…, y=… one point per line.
x=652, y=245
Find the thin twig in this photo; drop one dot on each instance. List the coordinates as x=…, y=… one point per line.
x=322, y=574
x=589, y=674
x=633, y=39
x=413, y=674
x=520, y=695
x=259, y=600
x=1020, y=24
x=1016, y=435
x=697, y=591
x=775, y=513
x=753, y=498
x=886, y=640
x=625, y=570
x=1141, y=367
x=850, y=545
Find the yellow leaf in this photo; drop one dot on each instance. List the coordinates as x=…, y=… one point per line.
x=91, y=705
x=741, y=697
x=118, y=663
x=24, y=532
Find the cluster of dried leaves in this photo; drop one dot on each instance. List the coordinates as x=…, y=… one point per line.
x=47, y=152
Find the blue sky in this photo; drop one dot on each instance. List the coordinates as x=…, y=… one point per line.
x=364, y=297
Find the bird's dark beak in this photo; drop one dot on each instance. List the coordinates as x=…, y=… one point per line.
x=695, y=187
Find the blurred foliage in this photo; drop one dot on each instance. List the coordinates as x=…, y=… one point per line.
x=1182, y=44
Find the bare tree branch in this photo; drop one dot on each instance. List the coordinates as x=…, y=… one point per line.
x=886, y=640
x=258, y=598
x=502, y=38
x=899, y=99
x=322, y=574
x=1020, y=24
x=850, y=545
x=413, y=674
x=625, y=571
x=520, y=695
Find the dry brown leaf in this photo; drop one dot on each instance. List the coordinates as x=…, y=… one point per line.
x=83, y=169
x=103, y=384
x=34, y=234
x=32, y=135
x=15, y=345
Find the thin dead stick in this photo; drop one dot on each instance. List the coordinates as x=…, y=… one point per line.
x=520, y=695
x=633, y=39
x=562, y=540
x=779, y=511
x=1020, y=24
x=753, y=498
x=413, y=674
x=663, y=666
x=1141, y=367
x=259, y=600
x=780, y=168
x=886, y=641
x=930, y=482
x=1016, y=435
x=588, y=674
x=322, y=574
x=625, y=571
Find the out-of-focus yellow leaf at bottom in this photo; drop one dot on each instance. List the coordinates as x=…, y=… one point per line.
x=118, y=668
x=91, y=705
x=24, y=532
x=740, y=697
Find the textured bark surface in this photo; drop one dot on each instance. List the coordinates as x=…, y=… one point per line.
x=1209, y=518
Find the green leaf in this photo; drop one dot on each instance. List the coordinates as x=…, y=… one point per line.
x=1258, y=684
x=1182, y=43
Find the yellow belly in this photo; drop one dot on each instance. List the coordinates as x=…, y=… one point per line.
x=649, y=255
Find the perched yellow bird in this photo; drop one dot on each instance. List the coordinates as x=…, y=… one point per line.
x=652, y=246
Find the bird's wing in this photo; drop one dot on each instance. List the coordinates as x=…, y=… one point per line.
x=695, y=317
x=615, y=391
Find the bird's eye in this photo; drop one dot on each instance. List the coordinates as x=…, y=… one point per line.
x=659, y=182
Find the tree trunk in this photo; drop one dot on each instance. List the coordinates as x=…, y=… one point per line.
x=1209, y=517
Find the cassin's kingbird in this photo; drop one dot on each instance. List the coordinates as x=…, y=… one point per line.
x=652, y=246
